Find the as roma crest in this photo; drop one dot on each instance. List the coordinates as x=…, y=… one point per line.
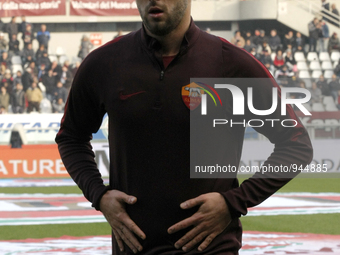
x=191, y=95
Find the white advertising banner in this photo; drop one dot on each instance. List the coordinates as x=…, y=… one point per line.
x=254, y=154
x=39, y=128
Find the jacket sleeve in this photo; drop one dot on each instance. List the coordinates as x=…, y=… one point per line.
x=292, y=144
x=82, y=117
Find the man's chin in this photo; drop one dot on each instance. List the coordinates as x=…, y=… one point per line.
x=158, y=29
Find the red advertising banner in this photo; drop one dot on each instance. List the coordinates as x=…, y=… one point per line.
x=96, y=39
x=103, y=7
x=10, y=8
x=31, y=161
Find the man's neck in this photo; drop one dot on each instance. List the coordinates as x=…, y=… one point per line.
x=171, y=43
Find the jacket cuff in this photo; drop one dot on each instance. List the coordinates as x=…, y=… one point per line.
x=98, y=196
x=234, y=210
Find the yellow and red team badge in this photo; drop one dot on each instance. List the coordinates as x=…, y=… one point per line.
x=191, y=95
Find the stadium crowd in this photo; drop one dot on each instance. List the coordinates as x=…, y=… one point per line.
x=31, y=80
x=294, y=59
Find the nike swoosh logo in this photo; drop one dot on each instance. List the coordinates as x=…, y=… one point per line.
x=126, y=96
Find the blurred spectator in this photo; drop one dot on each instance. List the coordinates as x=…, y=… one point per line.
x=334, y=86
x=13, y=46
x=3, y=43
x=75, y=69
x=4, y=98
x=296, y=81
x=50, y=84
x=42, y=71
x=249, y=45
x=23, y=24
x=262, y=37
x=325, y=6
x=2, y=26
x=85, y=47
x=5, y=60
x=18, y=78
x=56, y=68
x=7, y=78
x=315, y=94
x=254, y=53
x=28, y=35
x=323, y=85
x=336, y=13
x=265, y=57
x=256, y=38
x=68, y=65
x=324, y=37
x=264, y=47
x=279, y=60
x=239, y=44
x=44, y=60
x=248, y=36
x=335, y=10
x=288, y=40
x=290, y=61
x=60, y=92
x=66, y=78
x=27, y=54
x=337, y=70
x=27, y=78
x=58, y=105
x=333, y=43
x=284, y=77
x=2, y=110
x=238, y=38
x=270, y=68
x=314, y=31
x=299, y=43
x=34, y=97
x=289, y=48
x=34, y=69
x=18, y=99
x=12, y=27
x=43, y=36
x=2, y=70
x=40, y=51
x=274, y=40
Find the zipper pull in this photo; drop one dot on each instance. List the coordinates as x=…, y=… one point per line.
x=162, y=75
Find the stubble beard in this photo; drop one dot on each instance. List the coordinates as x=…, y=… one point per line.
x=175, y=17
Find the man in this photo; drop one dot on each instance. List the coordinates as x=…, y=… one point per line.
x=12, y=28
x=13, y=46
x=34, y=97
x=23, y=25
x=43, y=36
x=335, y=11
x=274, y=40
x=324, y=36
x=314, y=29
x=27, y=54
x=152, y=204
x=27, y=35
x=18, y=99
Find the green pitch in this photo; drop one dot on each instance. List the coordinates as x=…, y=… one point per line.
x=318, y=223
